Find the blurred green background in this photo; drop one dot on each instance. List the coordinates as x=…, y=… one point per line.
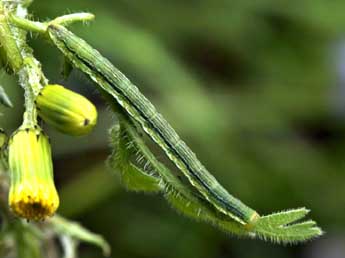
x=256, y=88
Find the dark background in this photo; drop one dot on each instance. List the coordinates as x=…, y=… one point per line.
x=256, y=89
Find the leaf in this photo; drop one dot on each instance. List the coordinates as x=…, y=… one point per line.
x=284, y=217
x=28, y=243
x=181, y=198
x=132, y=177
x=283, y=227
x=76, y=231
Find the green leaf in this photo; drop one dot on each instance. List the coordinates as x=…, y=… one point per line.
x=136, y=179
x=179, y=195
x=132, y=177
x=283, y=227
x=28, y=242
x=76, y=231
x=284, y=217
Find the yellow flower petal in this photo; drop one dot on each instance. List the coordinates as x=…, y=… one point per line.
x=32, y=191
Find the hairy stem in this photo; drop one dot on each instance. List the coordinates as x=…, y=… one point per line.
x=19, y=57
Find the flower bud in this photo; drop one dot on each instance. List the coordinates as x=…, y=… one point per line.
x=67, y=111
x=32, y=191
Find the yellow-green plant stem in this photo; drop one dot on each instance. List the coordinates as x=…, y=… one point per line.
x=18, y=56
x=40, y=27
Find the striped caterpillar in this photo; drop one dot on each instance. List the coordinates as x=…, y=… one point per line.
x=209, y=201
x=111, y=80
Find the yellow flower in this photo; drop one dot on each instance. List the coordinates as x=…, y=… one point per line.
x=67, y=111
x=32, y=191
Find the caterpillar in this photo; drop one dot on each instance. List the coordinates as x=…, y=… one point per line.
x=228, y=213
x=115, y=83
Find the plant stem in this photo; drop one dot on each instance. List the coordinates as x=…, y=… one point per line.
x=68, y=19
x=41, y=27
x=27, y=24
x=20, y=59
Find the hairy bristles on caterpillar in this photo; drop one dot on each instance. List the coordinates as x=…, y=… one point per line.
x=232, y=214
x=137, y=106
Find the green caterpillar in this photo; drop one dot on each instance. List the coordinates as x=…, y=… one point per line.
x=208, y=201
x=111, y=80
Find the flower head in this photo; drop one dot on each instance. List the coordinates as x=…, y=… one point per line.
x=32, y=191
